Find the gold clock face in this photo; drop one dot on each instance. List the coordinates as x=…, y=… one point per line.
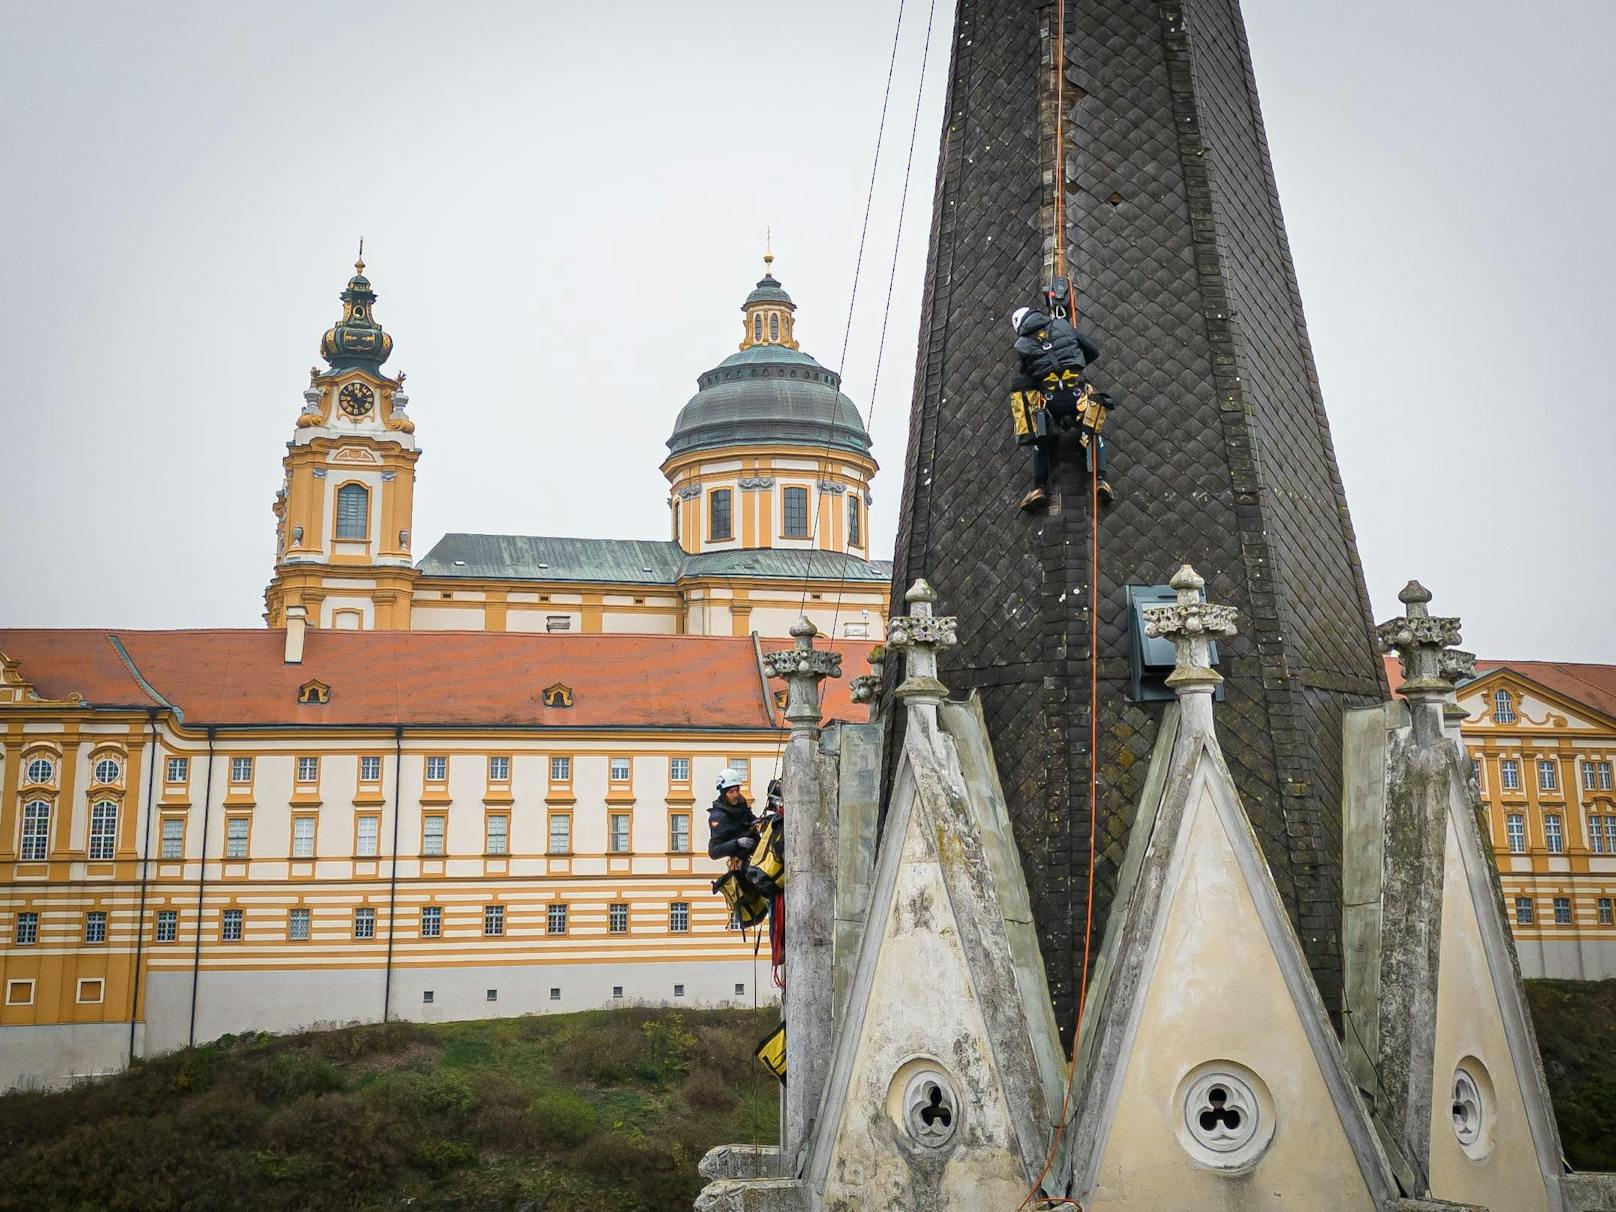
x=356, y=399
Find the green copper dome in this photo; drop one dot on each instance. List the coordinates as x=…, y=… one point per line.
x=769, y=395
x=357, y=341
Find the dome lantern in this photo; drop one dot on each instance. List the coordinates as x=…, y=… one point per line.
x=768, y=311
x=357, y=342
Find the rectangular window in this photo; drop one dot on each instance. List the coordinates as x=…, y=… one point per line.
x=432, y=921
x=35, y=831
x=795, y=502
x=719, y=526
x=1516, y=827
x=558, y=622
x=743, y=767
x=679, y=917
x=1552, y=835
x=499, y=841
x=235, y=837
x=20, y=993
x=555, y=994
x=1589, y=776
x=617, y=990
x=855, y=531
x=1548, y=778
x=179, y=769
x=364, y=923
x=560, y=833
x=679, y=770
x=561, y=770
x=499, y=770
x=1509, y=771
x=427, y=996
x=619, y=770
x=437, y=769
x=679, y=832
x=617, y=919
x=678, y=991
x=370, y=769
x=555, y=920
x=1562, y=911
x=230, y=926
x=353, y=509
x=1605, y=776
x=1605, y=911
x=103, y=829
x=1610, y=835
x=1596, y=834
x=432, y=835
x=739, y=988
x=493, y=919
x=95, y=926
x=1523, y=911
x=168, y=925
x=27, y=931
x=92, y=990
x=241, y=769
x=308, y=770
x=297, y=925
x=366, y=836
x=302, y=837
x=491, y=995
x=173, y=837
x=620, y=824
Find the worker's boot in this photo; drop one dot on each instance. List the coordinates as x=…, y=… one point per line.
x=1035, y=499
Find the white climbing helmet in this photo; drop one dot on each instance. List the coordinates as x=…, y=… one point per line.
x=728, y=777
x=1017, y=316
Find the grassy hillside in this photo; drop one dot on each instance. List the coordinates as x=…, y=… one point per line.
x=586, y=1112
x=1576, y=1033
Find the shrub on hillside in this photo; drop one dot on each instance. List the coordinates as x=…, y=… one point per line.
x=564, y=1119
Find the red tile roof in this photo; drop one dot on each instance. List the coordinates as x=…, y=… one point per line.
x=836, y=693
x=1591, y=685
x=417, y=678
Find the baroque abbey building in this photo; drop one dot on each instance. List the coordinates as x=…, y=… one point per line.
x=467, y=785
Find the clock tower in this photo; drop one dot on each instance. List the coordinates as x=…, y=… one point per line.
x=343, y=511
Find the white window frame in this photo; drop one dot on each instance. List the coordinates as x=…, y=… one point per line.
x=36, y=820
x=25, y=930
x=308, y=768
x=560, y=841
x=100, y=984
x=499, y=769
x=786, y=497
x=617, y=918
x=1562, y=911
x=1610, y=835
x=555, y=918
x=1606, y=915
x=621, y=825
x=370, y=762
x=1553, y=833
x=679, y=770
x=1509, y=773
x=103, y=831
x=1515, y=831
x=172, y=846
x=433, y=840
x=1606, y=776
x=497, y=834
x=352, y=524
x=494, y=921
x=1548, y=774
x=679, y=833
x=304, y=842
x=166, y=928
x=95, y=926
x=679, y=917
x=367, y=835
x=232, y=924
x=1596, y=834
x=364, y=922
x=241, y=769
x=561, y=769
x=437, y=768
x=300, y=924
x=237, y=833
x=177, y=770
x=431, y=921
x=40, y=770
x=1525, y=912
x=24, y=995
x=108, y=770
x=1503, y=707
x=623, y=764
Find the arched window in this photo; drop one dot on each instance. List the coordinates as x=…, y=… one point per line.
x=103, y=830
x=353, y=512
x=35, y=831
x=855, y=530
x=774, y=326
x=1503, y=708
x=757, y=327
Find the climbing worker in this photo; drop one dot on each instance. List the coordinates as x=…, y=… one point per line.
x=1052, y=395
x=731, y=827
x=732, y=835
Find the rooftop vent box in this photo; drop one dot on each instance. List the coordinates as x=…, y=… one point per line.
x=1150, y=661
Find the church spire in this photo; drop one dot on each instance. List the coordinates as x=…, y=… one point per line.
x=357, y=342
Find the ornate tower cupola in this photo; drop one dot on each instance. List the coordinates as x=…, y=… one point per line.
x=357, y=341
x=769, y=312
x=343, y=514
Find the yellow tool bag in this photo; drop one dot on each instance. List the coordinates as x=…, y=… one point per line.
x=1091, y=411
x=1024, y=409
x=746, y=907
x=771, y=1052
x=767, y=870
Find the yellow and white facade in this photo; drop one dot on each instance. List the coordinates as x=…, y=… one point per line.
x=1543, y=736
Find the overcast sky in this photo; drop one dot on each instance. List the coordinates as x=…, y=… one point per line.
x=563, y=205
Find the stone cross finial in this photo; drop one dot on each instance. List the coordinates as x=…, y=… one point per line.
x=1431, y=666
x=803, y=667
x=920, y=634
x=1192, y=624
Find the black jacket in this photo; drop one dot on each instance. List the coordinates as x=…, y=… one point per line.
x=1047, y=347
x=725, y=823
